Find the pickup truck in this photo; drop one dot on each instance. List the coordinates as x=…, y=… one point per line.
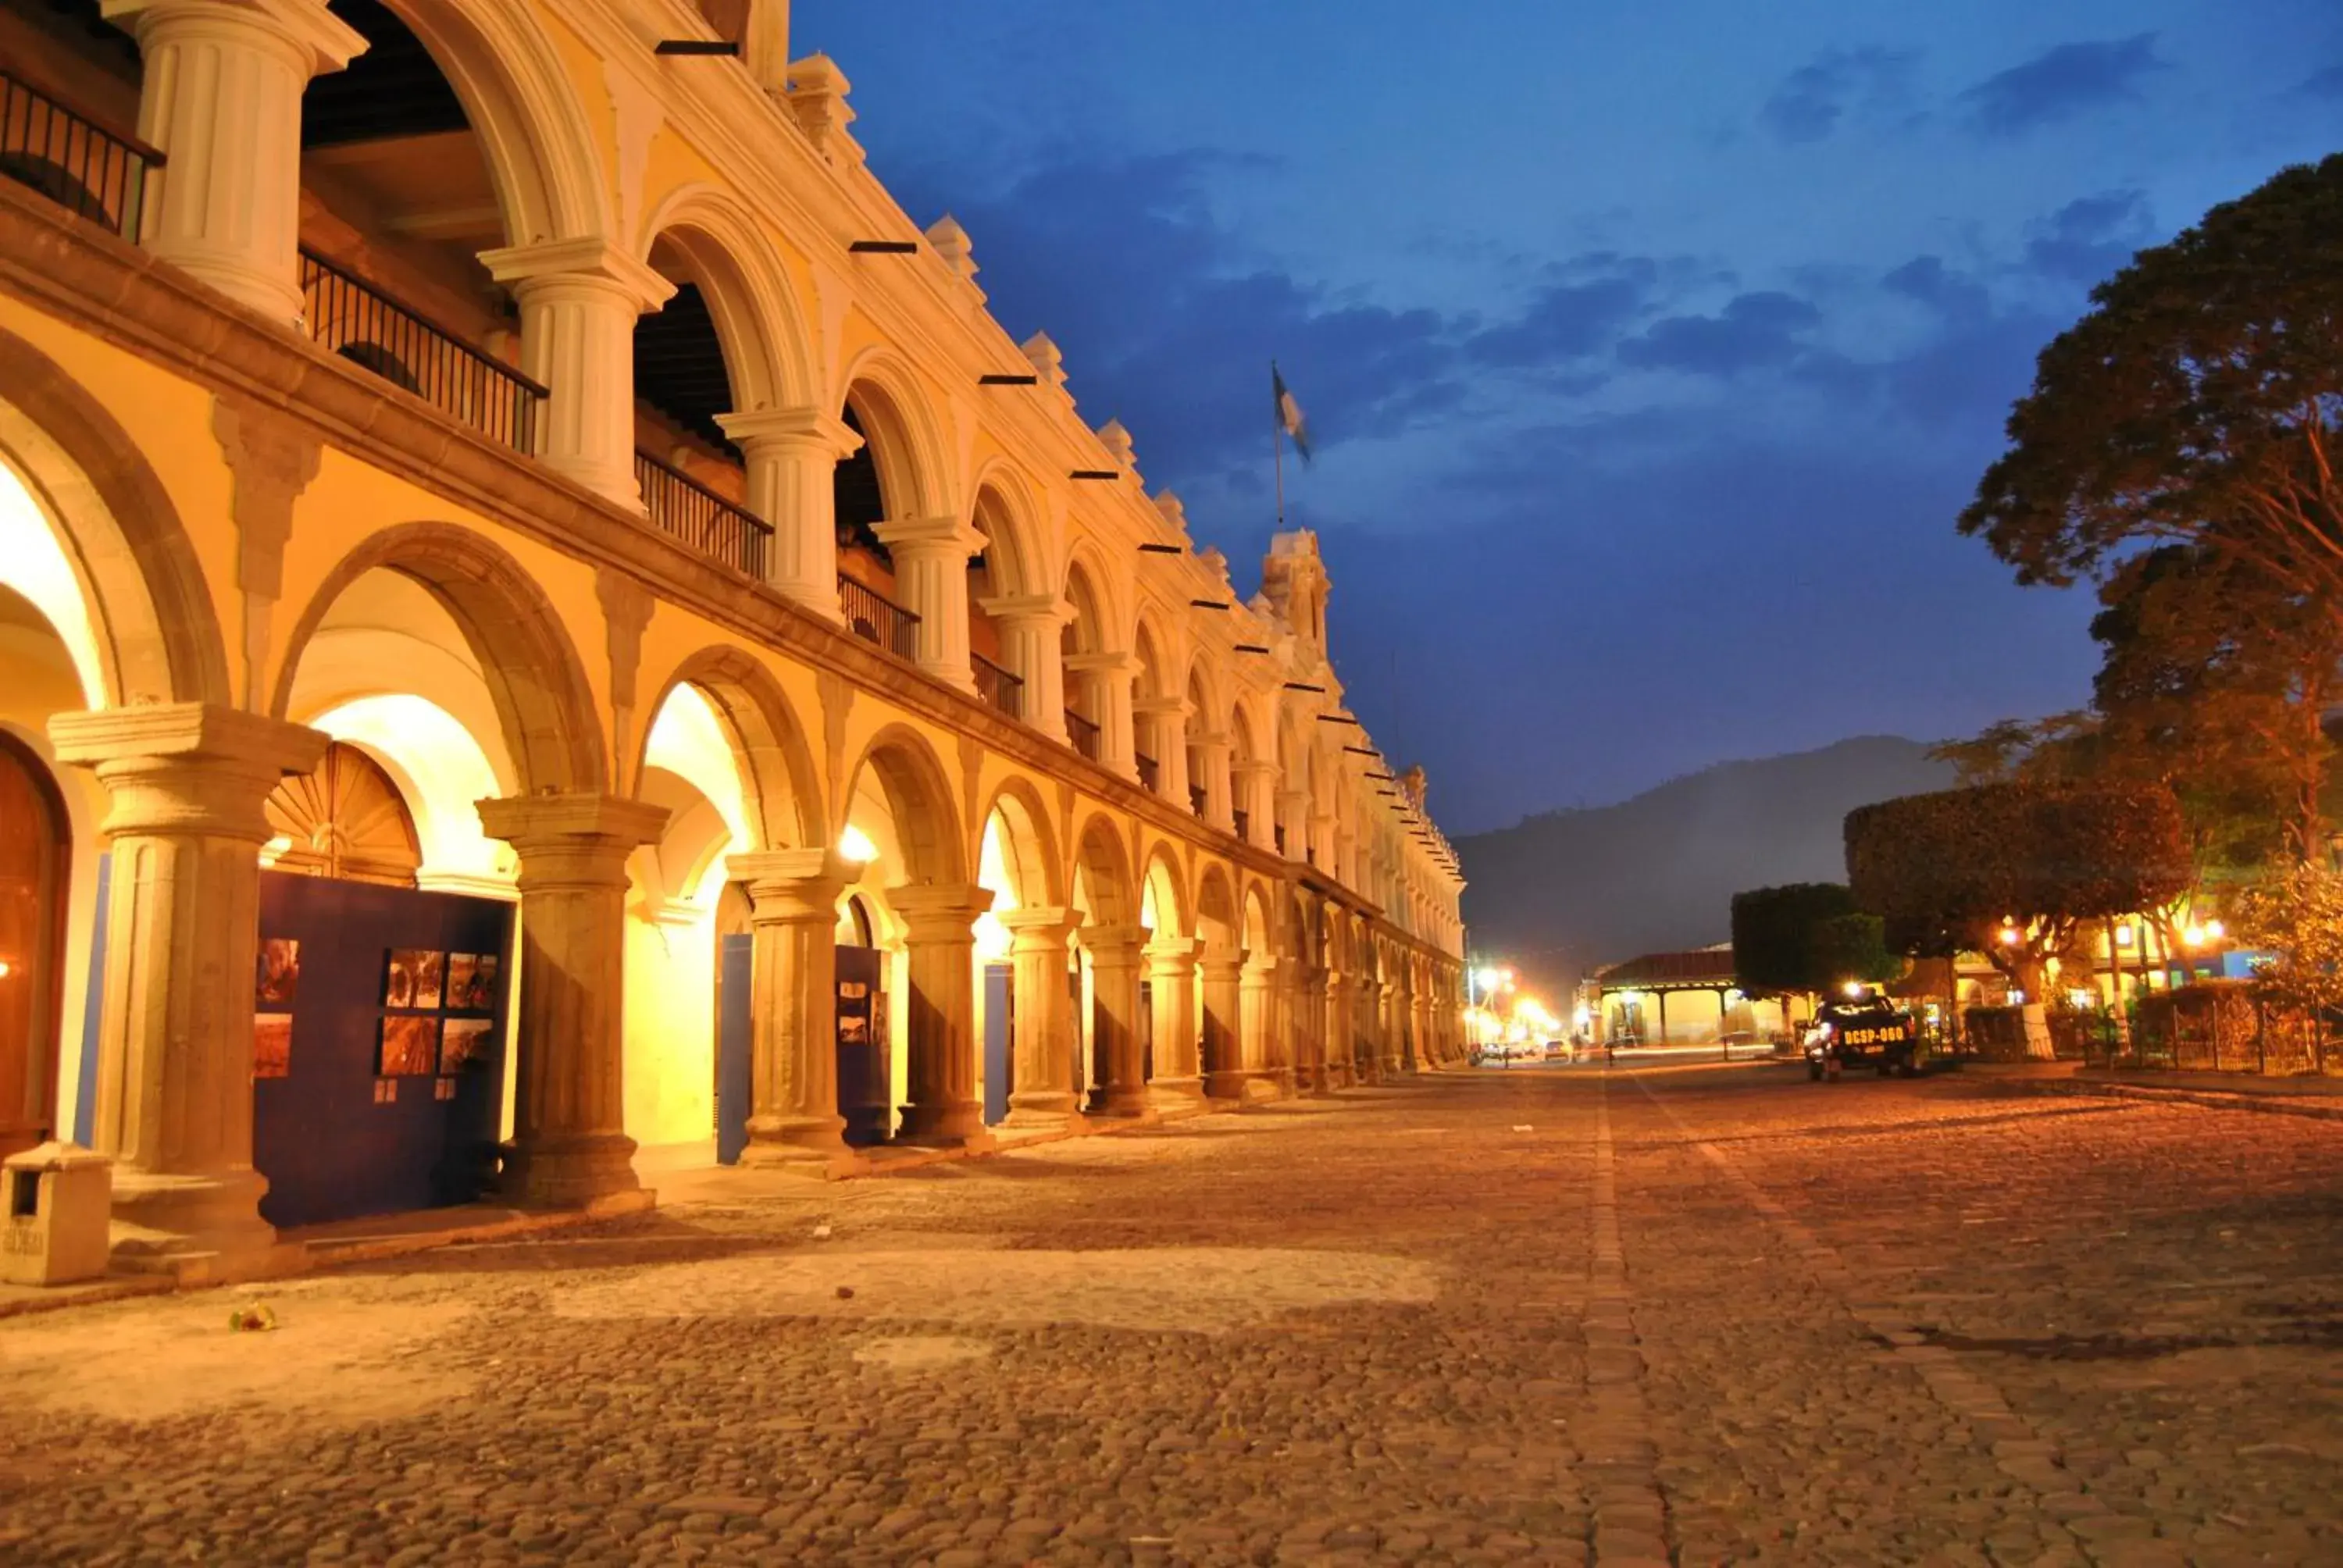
x=1869, y=1032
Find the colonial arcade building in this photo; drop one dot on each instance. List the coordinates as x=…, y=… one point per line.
x=540, y=619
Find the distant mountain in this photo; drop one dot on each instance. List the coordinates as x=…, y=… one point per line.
x=1568, y=891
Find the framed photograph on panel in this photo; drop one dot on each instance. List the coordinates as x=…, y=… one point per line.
x=410, y=1046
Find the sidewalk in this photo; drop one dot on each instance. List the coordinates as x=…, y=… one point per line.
x=2298, y=1095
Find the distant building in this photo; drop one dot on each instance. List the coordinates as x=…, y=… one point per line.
x=1675, y=998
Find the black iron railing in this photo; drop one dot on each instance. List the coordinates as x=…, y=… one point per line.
x=1196, y=800
x=684, y=509
x=1004, y=689
x=874, y=618
x=90, y=172
x=365, y=327
x=1243, y=821
x=1149, y=773
x=1277, y=835
x=1083, y=734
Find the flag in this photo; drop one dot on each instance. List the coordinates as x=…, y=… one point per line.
x=1289, y=414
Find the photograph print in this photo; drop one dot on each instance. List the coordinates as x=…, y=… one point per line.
x=272, y=1045
x=413, y=977
x=280, y=971
x=463, y=1041
x=410, y=1046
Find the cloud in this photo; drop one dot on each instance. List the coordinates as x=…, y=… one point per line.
x=1755, y=331
x=1810, y=102
x=2060, y=82
x=1928, y=280
x=1563, y=322
x=2090, y=236
x=2325, y=84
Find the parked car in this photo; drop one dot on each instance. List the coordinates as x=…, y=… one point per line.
x=1865, y=1032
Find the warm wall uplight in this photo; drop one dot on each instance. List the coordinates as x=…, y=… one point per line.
x=855, y=845
x=4, y=969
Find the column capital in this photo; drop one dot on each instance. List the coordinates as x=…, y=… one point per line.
x=571, y=838
x=1174, y=955
x=1162, y=707
x=1104, y=663
x=941, y=536
x=1209, y=741
x=810, y=429
x=319, y=40
x=1253, y=767
x=1223, y=966
x=1008, y=608
x=186, y=767
x=933, y=911
x=1114, y=945
x=587, y=260
x=1039, y=929
x=791, y=884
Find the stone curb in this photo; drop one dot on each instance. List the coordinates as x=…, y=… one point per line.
x=2163, y=1095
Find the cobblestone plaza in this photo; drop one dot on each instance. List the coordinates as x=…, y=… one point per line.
x=1571, y=1316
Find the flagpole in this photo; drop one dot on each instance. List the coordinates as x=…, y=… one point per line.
x=1277, y=447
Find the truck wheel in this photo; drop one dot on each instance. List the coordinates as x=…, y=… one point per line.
x=1813, y=1072
x=1885, y=1067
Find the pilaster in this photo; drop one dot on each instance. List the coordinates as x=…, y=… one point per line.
x=187, y=787
x=570, y=1146
x=221, y=95
x=579, y=299
x=940, y=943
x=793, y=1118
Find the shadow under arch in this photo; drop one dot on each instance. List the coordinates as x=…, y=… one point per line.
x=158, y=637
x=530, y=666
x=768, y=745
x=920, y=800
x=900, y=434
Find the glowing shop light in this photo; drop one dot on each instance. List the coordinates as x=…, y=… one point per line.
x=2194, y=936
x=2009, y=937
x=855, y=845
x=2214, y=929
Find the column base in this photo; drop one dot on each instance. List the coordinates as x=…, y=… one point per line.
x=572, y=1173
x=1051, y=1109
x=809, y=1140
x=952, y=1122
x=1176, y=1094
x=1119, y=1102
x=1228, y=1083
x=201, y=1229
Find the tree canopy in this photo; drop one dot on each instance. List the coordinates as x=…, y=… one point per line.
x=1944, y=869
x=1804, y=936
x=2197, y=402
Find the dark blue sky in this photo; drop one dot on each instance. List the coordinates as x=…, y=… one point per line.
x=1651, y=350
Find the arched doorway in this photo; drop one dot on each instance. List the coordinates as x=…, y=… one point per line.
x=35, y=860
x=347, y=819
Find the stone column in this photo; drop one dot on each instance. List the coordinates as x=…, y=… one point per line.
x=1114, y=988
x=1432, y=1048
x=1257, y=798
x=940, y=943
x=931, y=556
x=1212, y=759
x=790, y=456
x=1334, y=1006
x=1112, y=673
x=1164, y=721
x=793, y=1115
x=1179, y=1082
x=1042, y=1093
x=579, y=302
x=185, y=822
x=1224, y=1024
x=221, y=96
x=570, y=1144
x=1031, y=626
x=1294, y=816
x=1257, y=1035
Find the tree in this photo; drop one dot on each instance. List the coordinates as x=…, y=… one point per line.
x=2300, y=917
x=2199, y=402
x=1806, y=938
x=2010, y=870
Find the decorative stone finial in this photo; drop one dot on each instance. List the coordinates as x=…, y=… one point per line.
x=1117, y=442
x=1175, y=514
x=1048, y=361
x=817, y=90
x=951, y=243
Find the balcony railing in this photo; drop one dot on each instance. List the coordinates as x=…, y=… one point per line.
x=1277, y=835
x=1005, y=690
x=91, y=173
x=874, y=618
x=368, y=328
x=1083, y=734
x=686, y=509
x=1196, y=801
x=1243, y=821
x=1149, y=775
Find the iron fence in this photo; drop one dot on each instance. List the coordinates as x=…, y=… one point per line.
x=1083, y=734
x=1150, y=773
x=874, y=618
x=1243, y=821
x=1003, y=689
x=684, y=509
x=2221, y=1027
x=349, y=316
x=91, y=172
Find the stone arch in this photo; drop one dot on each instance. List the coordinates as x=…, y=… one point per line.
x=899, y=433
x=1005, y=513
x=1151, y=674
x=1092, y=625
x=778, y=775
x=919, y=795
x=157, y=638
x=534, y=133
x=1159, y=874
x=1039, y=873
x=532, y=670
x=718, y=246
x=1217, y=918
x=1105, y=866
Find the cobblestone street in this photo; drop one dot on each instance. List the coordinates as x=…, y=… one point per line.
x=1551, y=1317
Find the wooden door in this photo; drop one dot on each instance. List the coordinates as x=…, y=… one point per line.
x=35, y=859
